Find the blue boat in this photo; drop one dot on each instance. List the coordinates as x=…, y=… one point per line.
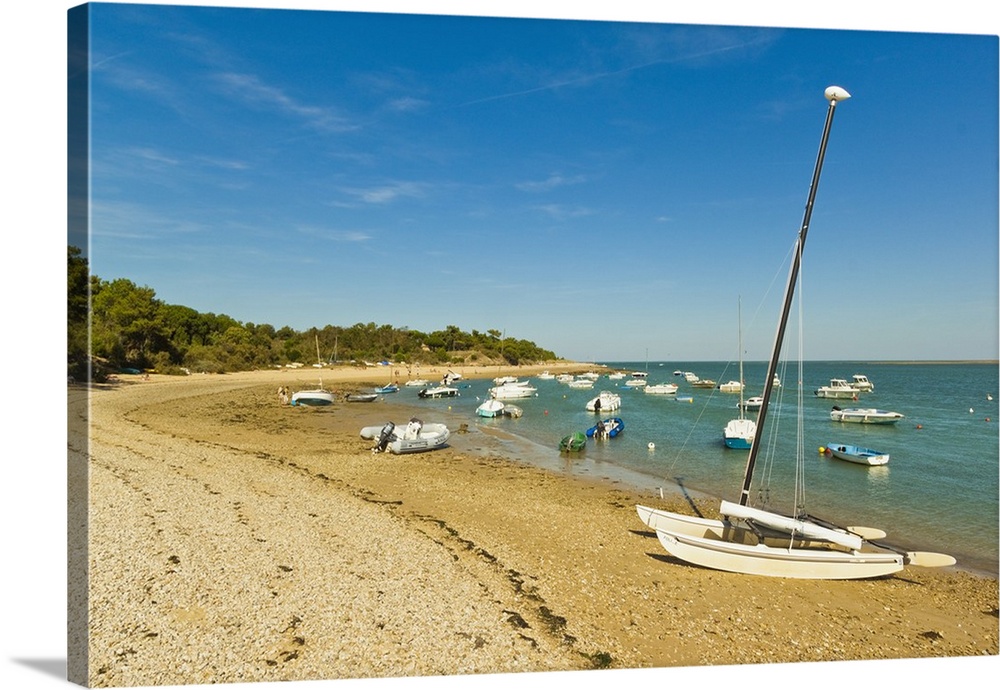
x=607, y=428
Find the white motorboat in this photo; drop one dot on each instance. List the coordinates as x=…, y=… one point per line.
x=856, y=454
x=661, y=389
x=415, y=437
x=315, y=398
x=490, y=408
x=580, y=384
x=838, y=388
x=731, y=387
x=860, y=382
x=606, y=401
x=513, y=390
x=638, y=380
x=860, y=415
x=438, y=392
x=752, y=403
x=546, y=375
x=417, y=383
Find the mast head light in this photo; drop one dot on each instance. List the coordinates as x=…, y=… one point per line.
x=836, y=93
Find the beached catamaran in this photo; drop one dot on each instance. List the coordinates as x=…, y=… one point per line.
x=760, y=542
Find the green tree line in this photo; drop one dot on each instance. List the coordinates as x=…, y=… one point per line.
x=116, y=325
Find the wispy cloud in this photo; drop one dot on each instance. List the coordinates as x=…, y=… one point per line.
x=561, y=212
x=681, y=46
x=551, y=182
x=408, y=104
x=251, y=90
x=334, y=235
x=384, y=194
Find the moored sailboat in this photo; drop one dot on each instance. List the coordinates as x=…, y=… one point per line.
x=739, y=433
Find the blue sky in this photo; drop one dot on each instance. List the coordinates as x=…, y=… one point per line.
x=603, y=188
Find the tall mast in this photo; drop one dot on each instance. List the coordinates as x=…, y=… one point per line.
x=739, y=341
x=833, y=94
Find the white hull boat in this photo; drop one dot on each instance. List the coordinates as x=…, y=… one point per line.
x=860, y=415
x=638, y=379
x=580, y=384
x=490, y=408
x=661, y=389
x=415, y=437
x=513, y=391
x=739, y=434
x=314, y=398
x=317, y=397
x=856, y=454
x=606, y=401
x=731, y=387
x=438, y=392
x=838, y=388
x=861, y=383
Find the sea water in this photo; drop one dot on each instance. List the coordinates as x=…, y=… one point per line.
x=939, y=491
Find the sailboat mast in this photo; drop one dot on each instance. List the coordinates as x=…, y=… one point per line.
x=739, y=318
x=833, y=94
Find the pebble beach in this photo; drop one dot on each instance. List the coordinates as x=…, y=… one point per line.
x=230, y=538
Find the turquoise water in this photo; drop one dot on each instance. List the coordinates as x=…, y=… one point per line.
x=939, y=491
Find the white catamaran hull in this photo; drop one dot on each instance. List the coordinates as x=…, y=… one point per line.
x=760, y=559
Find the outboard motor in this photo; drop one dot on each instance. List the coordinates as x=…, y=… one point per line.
x=383, y=438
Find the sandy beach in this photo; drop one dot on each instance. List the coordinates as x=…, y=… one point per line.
x=232, y=538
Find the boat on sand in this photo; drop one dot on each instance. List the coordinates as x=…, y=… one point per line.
x=758, y=540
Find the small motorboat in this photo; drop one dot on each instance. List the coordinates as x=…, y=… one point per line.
x=573, y=443
x=512, y=411
x=731, y=387
x=390, y=388
x=361, y=397
x=638, y=380
x=606, y=428
x=856, y=454
x=662, y=389
x=513, y=391
x=437, y=392
x=752, y=403
x=860, y=382
x=606, y=401
x=314, y=398
x=860, y=415
x=838, y=388
x=415, y=437
x=491, y=408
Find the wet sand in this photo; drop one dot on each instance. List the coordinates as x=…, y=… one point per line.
x=235, y=539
